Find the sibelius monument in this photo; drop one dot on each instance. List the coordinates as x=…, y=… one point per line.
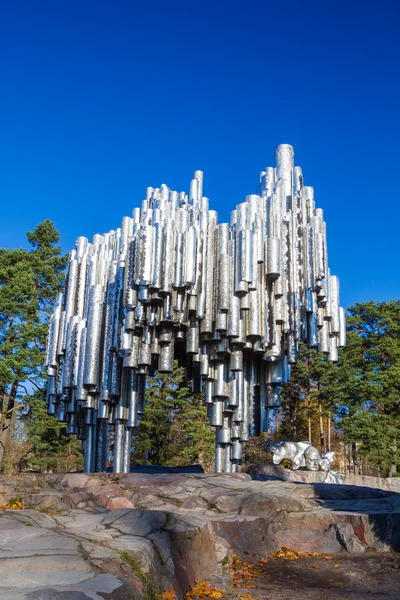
x=230, y=302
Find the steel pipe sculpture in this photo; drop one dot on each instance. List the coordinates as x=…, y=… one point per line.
x=229, y=301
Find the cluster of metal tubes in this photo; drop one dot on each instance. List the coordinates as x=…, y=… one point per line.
x=230, y=302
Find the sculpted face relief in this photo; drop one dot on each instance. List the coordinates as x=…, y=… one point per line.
x=229, y=301
x=303, y=454
x=312, y=458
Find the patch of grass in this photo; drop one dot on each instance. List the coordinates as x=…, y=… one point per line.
x=47, y=510
x=28, y=524
x=150, y=592
x=13, y=504
x=225, y=561
x=133, y=563
x=15, y=501
x=48, y=484
x=114, y=478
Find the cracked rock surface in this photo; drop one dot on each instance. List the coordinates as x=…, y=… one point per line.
x=104, y=537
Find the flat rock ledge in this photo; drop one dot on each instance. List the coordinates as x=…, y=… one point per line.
x=391, y=484
x=110, y=537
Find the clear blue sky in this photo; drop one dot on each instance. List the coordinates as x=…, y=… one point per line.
x=101, y=99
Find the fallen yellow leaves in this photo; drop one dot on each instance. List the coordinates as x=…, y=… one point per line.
x=243, y=573
x=167, y=595
x=293, y=554
x=203, y=590
x=13, y=504
x=245, y=597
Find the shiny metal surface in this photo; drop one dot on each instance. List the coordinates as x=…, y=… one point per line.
x=302, y=454
x=230, y=301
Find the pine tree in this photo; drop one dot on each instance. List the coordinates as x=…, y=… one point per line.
x=307, y=405
x=174, y=429
x=29, y=282
x=370, y=410
x=50, y=449
x=196, y=439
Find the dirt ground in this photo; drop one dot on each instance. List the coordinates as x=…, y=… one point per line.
x=355, y=577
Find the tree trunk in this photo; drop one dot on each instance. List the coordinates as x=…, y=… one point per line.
x=309, y=422
x=354, y=456
x=329, y=432
x=348, y=446
x=321, y=430
x=6, y=420
x=393, y=469
x=200, y=458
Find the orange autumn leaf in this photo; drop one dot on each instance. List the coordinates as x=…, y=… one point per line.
x=13, y=504
x=167, y=595
x=204, y=590
x=293, y=554
x=243, y=573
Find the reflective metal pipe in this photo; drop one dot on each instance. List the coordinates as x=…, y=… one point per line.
x=118, y=446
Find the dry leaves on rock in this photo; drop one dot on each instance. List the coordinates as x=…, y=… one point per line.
x=203, y=591
x=293, y=554
x=13, y=504
x=243, y=573
x=167, y=595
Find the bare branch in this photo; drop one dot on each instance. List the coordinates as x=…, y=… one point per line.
x=16, y=408
x=36, y=385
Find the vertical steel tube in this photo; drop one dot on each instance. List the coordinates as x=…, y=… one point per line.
x=118, y=447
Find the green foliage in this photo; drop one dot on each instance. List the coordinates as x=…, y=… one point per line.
x=15, y=501
x=361, y=392
x=150, y=592
x=29, y=282
x=133, y=563
x=375, y=435
x=50, y=448
x=308, y=390
x=174, y=430
x=257, y=449
x=370, y=409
